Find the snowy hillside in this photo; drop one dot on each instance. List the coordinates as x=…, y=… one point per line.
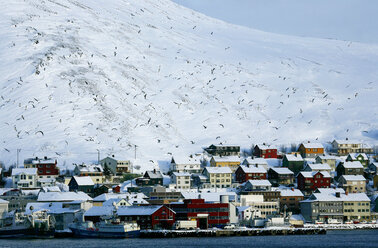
x=77, y=76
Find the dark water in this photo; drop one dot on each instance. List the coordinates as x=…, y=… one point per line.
x=344, y=239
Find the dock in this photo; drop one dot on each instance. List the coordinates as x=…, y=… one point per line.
x=230, y=232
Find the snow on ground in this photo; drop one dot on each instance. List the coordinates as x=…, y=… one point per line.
x=153, y=78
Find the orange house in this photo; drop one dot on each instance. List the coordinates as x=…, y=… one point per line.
x=311, y=150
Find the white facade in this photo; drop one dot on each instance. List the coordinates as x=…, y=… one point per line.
x=24, y=177
x=181, y=180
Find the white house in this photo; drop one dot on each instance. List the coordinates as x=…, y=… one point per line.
x=24, y=177
x=180, y=180
x=190, y=165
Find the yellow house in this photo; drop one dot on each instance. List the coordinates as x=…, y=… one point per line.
x=94, y=171
x=218, y=177
x=232, y=162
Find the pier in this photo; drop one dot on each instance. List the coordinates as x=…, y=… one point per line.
x=231, y=232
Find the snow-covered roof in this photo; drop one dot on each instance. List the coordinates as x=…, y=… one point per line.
x=312, y=145
x=342, y=198
x=39, y=160
x=291, y=192
x=347, y=142
x=222, y=170
x=106, y=196
x=62, y=196
x=154, y=174
x=329, y=190
x=259, y=161
x=208, y=196
x=89, y=168
x=186, y=160
x=26, y=171
x=353, y=165
x=226, y=159
x=122, y=210
x=353, y=177
x=51, y=189
x=84, y=181
x=3, y=201
x=292, y=157
x=318, y=167
x=50, y=207
x=266, y=147
x=355, y=155
x=253, y=169
x=282, y=170
x=113, y=200
x=297, y=217
x=327, y=157
x=181, y=174
x=311, y=174
x=259, y=182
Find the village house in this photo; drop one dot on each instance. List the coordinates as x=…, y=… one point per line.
x=95, y=171
x=318, y=167
x=24, y=177
x=308, y=181
x=327, y=159
x=119, y=202
x=260, y=207
x=150, y=178
x=47, y=167
x=84, y=199
x=280, y=176
x=147, y=217
x=132, y=198
x=84, y=184
x=344, y=147
x=349, y=168
x=311, y=150
x=256, y=162
x=260, y=187
x=245, y=173
x=232, y=162
x=373, y=169
x=161, y=195
x=257, y=185
x=223, y=150
x=290, y=200
x=294, y=162
x=218, y=177
x=16, y=198
x=264, y=151
x=361, y=157
x=207, y=214
x=353, y=183
x=117, y=166
x=181, y=180
x=188, y=165
x=336, y=206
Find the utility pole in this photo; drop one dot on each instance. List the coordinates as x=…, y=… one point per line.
x=135, y=151
x=18, y=153
x=98, y=156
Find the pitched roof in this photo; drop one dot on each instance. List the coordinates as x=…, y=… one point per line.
x=154, y=174
x=332, y=197
x=353, y=177
x=89, y=168
x=27, y=171
x=259, y=182
x=266, y=147
x=62, y=196
x=3, y=201
x=181, y=174
x=355, y=155
x=291, y=192
x=222, y=170
x=312, y=145
x=253, y=169
x=311, y=174
x=282, y=170
x=292, y=157
x=327, y=157
x=255, y=161
x=226, y=159
x=353, y=165
x=84, y=181
x=319, y=167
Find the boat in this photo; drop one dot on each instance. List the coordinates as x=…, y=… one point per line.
x=36, y=225
x=106, y=228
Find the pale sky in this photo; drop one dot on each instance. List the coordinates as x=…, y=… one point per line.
x=354, y=20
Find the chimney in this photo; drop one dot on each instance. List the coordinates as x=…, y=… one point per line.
x=346, y=138
x=36, y=158
x=338, y=194
x=45, y=157
x=346, y=192
x=292, y=189
x=308, y=141
x=113, y=155
x=154, y=171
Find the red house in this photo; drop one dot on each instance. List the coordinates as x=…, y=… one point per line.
x=47, y=167
x=207, y=214
x=308, y=181
x=244, y=173
x=147, y=217
x=264, y=151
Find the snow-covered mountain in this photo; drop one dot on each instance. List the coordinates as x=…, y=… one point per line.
x=78, y=75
